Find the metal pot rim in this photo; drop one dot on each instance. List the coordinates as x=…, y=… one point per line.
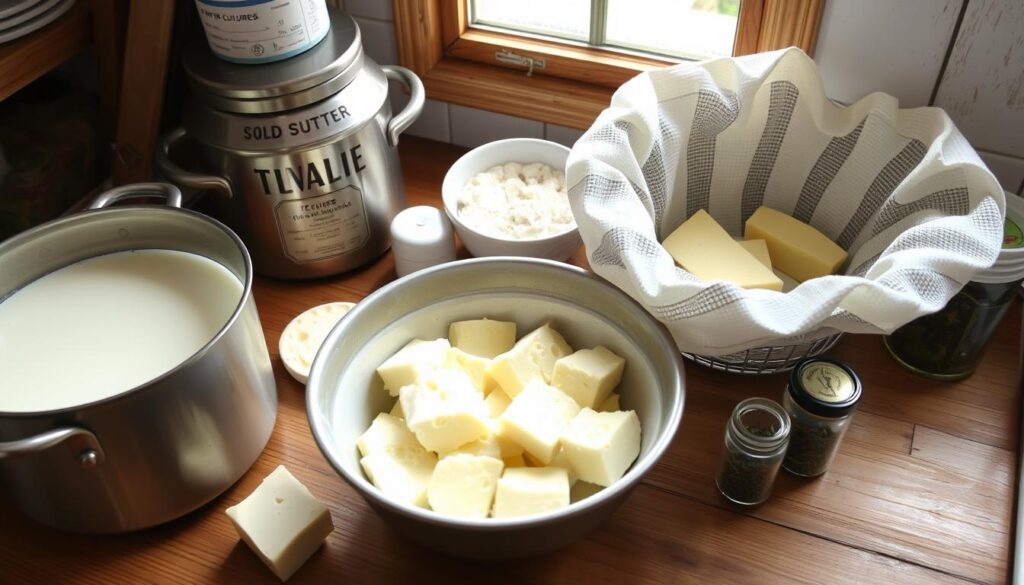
x=61, y=222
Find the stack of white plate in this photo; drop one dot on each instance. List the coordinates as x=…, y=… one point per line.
x=21, y=17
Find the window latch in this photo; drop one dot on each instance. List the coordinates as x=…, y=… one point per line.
x=510, y=58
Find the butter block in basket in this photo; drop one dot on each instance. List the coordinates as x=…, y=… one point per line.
x=796, y=248
x=703, y=248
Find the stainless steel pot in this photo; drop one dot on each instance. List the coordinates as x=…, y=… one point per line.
x=303, y=151
x=160, y=450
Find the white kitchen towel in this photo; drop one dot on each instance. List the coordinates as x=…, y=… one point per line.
x=901, y=190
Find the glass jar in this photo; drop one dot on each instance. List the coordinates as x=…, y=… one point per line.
x=820, y=400
x=949, y=344
x=755, y=443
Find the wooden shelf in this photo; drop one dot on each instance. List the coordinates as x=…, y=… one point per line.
x=24, y=60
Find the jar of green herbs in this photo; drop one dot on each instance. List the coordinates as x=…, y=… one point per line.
x=820, y=399
x=755, y=442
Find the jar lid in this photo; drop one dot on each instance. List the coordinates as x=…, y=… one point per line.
x=273, y=87
x=824, y=386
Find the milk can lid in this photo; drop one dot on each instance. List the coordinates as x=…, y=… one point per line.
x=281, y=85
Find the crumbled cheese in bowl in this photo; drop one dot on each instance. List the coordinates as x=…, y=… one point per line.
x=517, y=201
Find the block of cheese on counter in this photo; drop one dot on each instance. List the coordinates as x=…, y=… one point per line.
x=532, y=358
x=485, y=447
x=706, y=250
x=444, y=409
x=758, y=249
x=386, y=431
x=497, y=401
x=402, y=473
x=524, y=491
x=282, y=522
x=796, y=248
x=601, y=446
x=589, y=375
x=473, y=365
x=482, y=337
x=463, y=485
x=536, y=418
x=416, y=358
x=610, y=404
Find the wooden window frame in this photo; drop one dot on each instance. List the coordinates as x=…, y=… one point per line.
x=457, y=64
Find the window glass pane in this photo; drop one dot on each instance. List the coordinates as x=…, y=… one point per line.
x=568, y=19
x=682, y=28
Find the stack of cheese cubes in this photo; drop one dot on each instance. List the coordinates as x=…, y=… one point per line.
x=485, y=425
x=774, y=242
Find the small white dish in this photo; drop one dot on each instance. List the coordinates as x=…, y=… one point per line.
x=522, y=150
x=302, y=338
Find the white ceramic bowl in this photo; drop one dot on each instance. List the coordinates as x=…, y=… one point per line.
x=522, y=150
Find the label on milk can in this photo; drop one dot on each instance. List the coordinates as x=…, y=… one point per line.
x=260, y=31
x=315, y=228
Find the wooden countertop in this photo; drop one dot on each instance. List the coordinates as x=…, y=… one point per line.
x=922, y=490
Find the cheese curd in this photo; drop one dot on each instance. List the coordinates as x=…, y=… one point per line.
x=489, y=426
x=516, y=201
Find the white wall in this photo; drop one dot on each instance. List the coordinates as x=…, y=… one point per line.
x=895, y=46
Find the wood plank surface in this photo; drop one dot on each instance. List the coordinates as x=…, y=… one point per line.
x=921, y=491
x=24, y=60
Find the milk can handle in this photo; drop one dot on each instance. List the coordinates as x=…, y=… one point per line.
x=402, y=120
x=83, y=443
x=111, y=196
x=179, y=175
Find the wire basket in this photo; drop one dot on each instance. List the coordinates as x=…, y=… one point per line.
x=766, y=360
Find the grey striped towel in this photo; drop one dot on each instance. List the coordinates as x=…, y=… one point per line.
x=901, y=190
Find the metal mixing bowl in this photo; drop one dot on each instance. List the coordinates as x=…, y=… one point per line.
x=344, y=393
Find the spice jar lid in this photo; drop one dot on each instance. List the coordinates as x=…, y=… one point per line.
x=280, y=85
x=824, y=386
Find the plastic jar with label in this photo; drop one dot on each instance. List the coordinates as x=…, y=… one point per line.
x=820, y=400
x=263, y=31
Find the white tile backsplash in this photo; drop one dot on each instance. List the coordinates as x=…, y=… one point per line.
x=1009, y=170
x=472, y=127
x=433, y=121
x=884, y=45
x=379, y=40
x=379, y=9
x=561, y=134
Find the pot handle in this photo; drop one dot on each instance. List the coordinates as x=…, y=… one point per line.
x=111, y=196
x=402, y=120
x=180, y=175
x=84, y=444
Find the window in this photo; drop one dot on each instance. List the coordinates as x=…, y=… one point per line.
x=559, y=61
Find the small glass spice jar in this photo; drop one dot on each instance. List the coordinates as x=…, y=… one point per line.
x=820, y=399
x=755, y=443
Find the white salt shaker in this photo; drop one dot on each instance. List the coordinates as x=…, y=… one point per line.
x=421, y=237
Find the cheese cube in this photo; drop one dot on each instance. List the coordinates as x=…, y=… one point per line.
x=482, y=337
x=445, y=410
x=402, y=473
x=496, y=402
x=514, y=461
x=385, y=431
x=610, y=404
x=416, y=358
x=758, y=249
x=703, y=248
x=281, y=522
x=523, y=491
x=536, y=418
x=396, y=410
x=532, y=358
x=463, y=485
x=474, y=366
x=601, y=446
x=561, y=460
x=589, y=375
x=796, y=248
x=486, y=447
x=508, y=447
